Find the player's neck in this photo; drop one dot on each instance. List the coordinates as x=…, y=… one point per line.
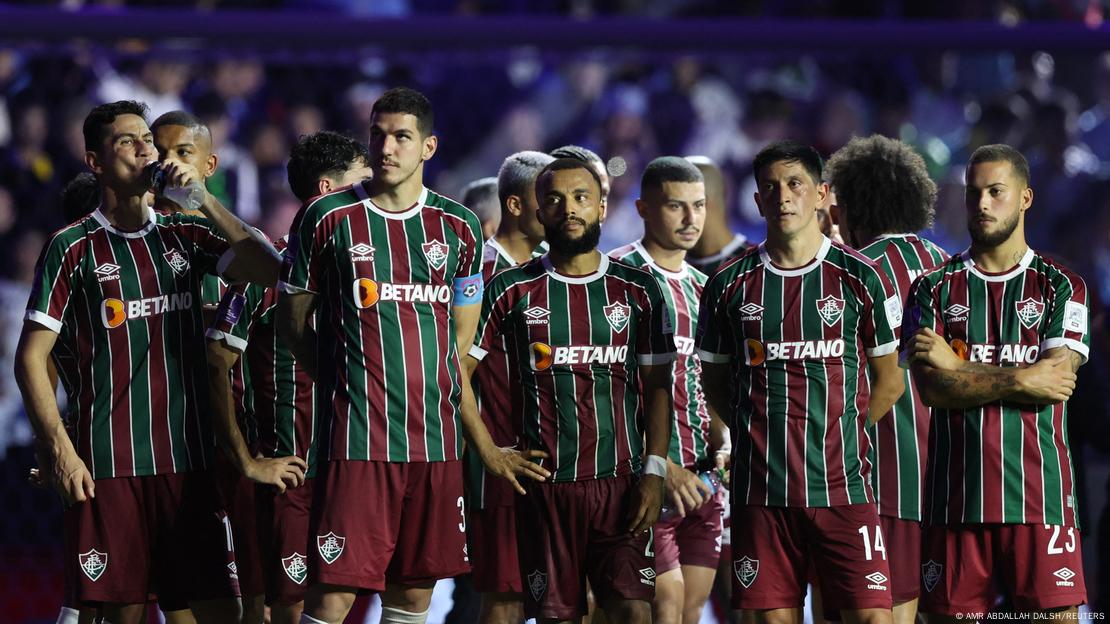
x=515, y=243
x=714, y=238
x=397, y=198
x=125, y=212
x=669, y=259
x=1002, y=257
x=576, y=265
x=798, y=250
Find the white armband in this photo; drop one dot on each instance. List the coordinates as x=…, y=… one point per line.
x=655, y=465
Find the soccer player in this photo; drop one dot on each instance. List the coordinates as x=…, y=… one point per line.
x=885, y=196
x=688, y=544
x=282, y=407
x=179, y=136
x=718, y=243
x=481, y=197
x=789, y=335
x=396, y=271
x=115, y=293
x=999, y=492
x=591, y=158
x=593, y=347
x=491, y=526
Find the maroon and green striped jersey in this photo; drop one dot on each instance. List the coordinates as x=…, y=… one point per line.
x=577, y=343
x=709, y=264
x=130, y=350
x=1001, y=462
x=388, y=361
x=283, y=411
x=682, y=293
x=493, y=397
x=899, y=441
x=798, y=342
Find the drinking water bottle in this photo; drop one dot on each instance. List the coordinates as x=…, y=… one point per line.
x=189, y=197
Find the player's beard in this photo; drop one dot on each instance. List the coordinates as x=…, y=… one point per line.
x=986, y=239
x=567, y=246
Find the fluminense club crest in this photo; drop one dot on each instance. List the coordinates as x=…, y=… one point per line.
x=296, y=567
x=537, y=584
x=931, y=572
x=177, y=261
x=436, y=253
x=746, y=569
x=830, y=309
x=617, y=314
x=330, y=546
x=93, y=564
x=1029, y=311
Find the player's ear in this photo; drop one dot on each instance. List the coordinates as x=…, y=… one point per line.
x=324, y=185
x=211, y=164
x=758, y=204
x=1026, y=198
x=92, y=161
x=431, y=142
x=515, y=205
x=822, y=193
x=641, y=207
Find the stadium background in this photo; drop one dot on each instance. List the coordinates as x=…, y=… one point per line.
x=631, y=79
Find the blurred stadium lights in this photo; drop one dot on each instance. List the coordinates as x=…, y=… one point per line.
x=265, y=32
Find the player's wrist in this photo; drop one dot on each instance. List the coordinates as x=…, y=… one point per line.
x=655, y=465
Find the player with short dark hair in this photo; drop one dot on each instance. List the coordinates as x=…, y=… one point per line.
x=688, y=536
x=281, y=412
x=718, y=243
x=994, y=337
x=491, y=524
x=592, y=345
x=586, y=155
x=885, y=196
x=396, y=270
x=797, y=340
x=118, y=292
x=80, y=196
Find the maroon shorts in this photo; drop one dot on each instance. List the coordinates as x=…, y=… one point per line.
x=283, y=537
x=691, y=541
x=237, y=499
x=903, y=549
x=772, y=548
x=374, y=521
x=1040, y=566
x=162, y=533
x=491, y=537
x=568, y=532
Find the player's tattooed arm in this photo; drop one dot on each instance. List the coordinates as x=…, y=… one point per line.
x=887, y=385
x=294, y=310
x=68, y=473
x=507, y=463
x=1050, y=380
x=280, y=472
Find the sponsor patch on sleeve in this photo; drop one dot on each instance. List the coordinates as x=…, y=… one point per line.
x=1075, y=317
x=894, y=311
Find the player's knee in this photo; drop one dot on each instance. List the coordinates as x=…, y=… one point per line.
x=393, y=615
x=218, y=611
x=691, y=614
x=502, y=609
x=629, y=611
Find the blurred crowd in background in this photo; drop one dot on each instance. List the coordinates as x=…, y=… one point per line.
x=1055, y=107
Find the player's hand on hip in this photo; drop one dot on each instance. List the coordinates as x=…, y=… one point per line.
x=509, y=463
x=929, y=347
x=685, y=489
x=280, y=472
x=647, y=501
x=1050, y=379
x=72, y=479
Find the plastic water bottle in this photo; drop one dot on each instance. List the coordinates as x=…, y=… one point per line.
x=189, y=197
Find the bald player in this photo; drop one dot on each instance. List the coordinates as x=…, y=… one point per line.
x=718, y=243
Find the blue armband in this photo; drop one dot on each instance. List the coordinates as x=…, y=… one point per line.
x=468, y=290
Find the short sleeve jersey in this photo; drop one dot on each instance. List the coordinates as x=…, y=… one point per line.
x=798, y=341
x=577, y=343
x=388, y=373
x=1001, y=462
x=130, y=351
x=682, y=292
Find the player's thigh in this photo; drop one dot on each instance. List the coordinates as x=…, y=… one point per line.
x=850, y=557
x=552, y=532
x=491, y=544
x=194, y=553
x=620, y=566
x=769, y=559
x=957, y=566
x=903, y=545
x=108, y=543
x=283, y=528
x=1043, y=566
x=670, y=597
x=431, y=538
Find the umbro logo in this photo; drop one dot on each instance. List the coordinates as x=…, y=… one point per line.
x=536, y=315
x=107, y=272
x=751, y=312
x=648, y=575
x=877, y=581
x=956, y=312
x=362, y=253
x=1065, y=575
